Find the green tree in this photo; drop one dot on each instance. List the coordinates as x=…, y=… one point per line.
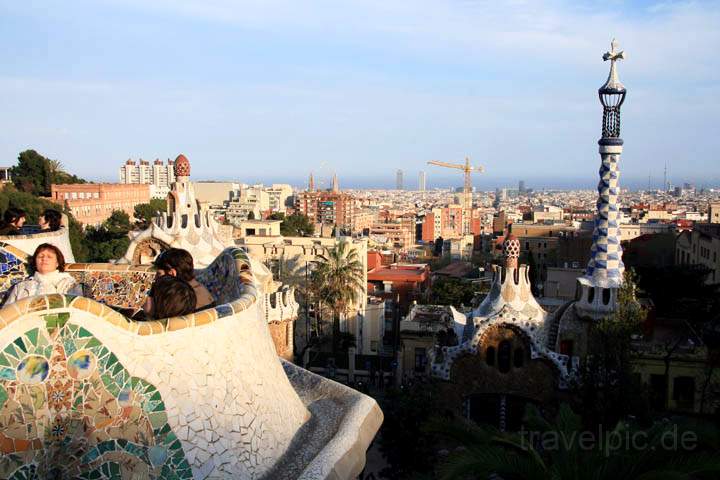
x=451, y=291
x=339, y=279
x=409, y=449
x=35, y=174
x=110, y=240
x=32, y=173
x=561, y=450
x=608, y=389
x=145, y=212
x=296, y=225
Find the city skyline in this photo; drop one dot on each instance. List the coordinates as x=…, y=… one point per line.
x=357, y=91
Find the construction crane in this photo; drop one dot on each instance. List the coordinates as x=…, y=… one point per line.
x=467, y=188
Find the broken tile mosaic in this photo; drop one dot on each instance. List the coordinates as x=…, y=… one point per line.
x=69, y=409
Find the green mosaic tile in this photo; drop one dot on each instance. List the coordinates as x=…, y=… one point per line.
x=106, y=446
x=112, y=360
x=21, y=345
x=56, y=320
x=69, y=346
x=10, y=350
x=157, y=419
x=42, y=340
x=163, y=448
x=32, y=335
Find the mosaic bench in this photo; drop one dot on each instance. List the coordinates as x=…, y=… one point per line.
x=86, y=393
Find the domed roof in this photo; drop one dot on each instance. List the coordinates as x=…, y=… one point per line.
x=182, y=166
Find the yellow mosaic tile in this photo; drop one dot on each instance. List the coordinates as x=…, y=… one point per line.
x=157, y=327
x=176, y=323
x=95, y=308
x=205, y=317
x=81, y=303
x=34, y=304
x=144, y=329
x=9, y=314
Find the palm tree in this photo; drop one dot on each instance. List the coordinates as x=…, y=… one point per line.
x=338, y=279
x=560, y=450
x=55, y=166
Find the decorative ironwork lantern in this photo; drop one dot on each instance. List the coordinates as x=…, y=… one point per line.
x=612, y=94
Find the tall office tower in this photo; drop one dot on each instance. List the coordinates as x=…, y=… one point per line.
x=399, y=180
x=521, y=186
x=421, y=181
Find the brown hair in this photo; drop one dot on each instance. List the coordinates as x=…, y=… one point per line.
x=171, y=297
x=54, y=249
x=180, y=260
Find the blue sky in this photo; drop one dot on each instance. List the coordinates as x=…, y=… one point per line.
x=271, y=89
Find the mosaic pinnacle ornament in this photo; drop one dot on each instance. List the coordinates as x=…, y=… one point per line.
x=605, y=268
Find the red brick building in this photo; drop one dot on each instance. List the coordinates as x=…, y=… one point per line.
x=93, y=203
x=447, y=222
x=327, y=207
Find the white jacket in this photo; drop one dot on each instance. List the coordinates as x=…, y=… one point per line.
x=43, y=284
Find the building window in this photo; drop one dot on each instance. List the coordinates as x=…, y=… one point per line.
x=658, y=391
x=684, y=392
x=490, y=356
x=420, y=360
x=504, y=354
x=373, y=345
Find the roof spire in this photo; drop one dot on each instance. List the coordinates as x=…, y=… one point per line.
x=311, y=183
x=335, y=184
x=511, y=251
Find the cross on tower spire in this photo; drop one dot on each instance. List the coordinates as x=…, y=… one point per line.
x=613, y=81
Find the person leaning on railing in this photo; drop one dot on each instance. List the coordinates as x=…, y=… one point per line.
x=13, y=221
x=50, y=220
x=48, y=265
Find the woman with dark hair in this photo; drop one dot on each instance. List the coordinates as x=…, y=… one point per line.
x=177, y=262
x=13, y=220
x=50, y=220
x=172, y=297
x=48, y=263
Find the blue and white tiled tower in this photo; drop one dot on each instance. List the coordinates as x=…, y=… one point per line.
x=604, y=275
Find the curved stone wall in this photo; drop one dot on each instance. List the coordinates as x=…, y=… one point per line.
x=28, y=243
x=87, y=393
x=84, y=389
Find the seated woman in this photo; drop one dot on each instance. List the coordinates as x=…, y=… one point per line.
x=50, y=220
x=48, y=264
x=177, y=262
x=13, y=220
